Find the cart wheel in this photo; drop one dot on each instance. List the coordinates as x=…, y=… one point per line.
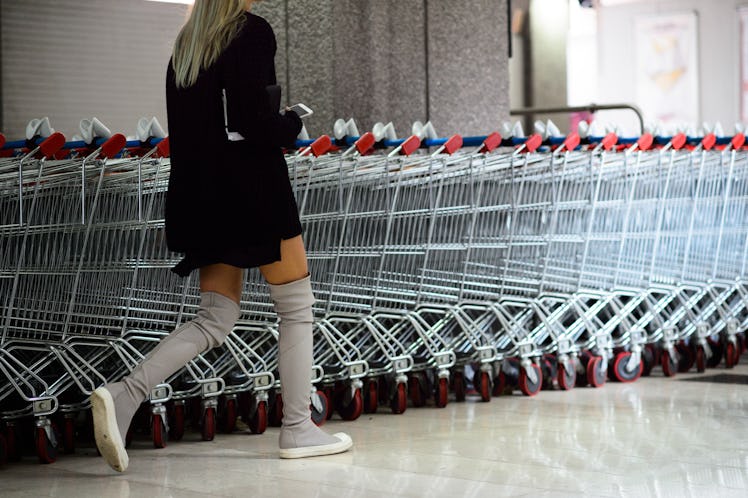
x=620, y=371
x=12, y=443
x=730, y=355
x=68, y=435
x=499, y=384
x=700, y=359
x=158, y=431
x=442, y=393
x=416, y=391
x=581, y=368
x=228, y=417
x=717, y=349
x=320, y=417
x=669, y=365
x=458, y=386
x=565, y=379
x=371, y=400
x=3, y=451
x=258, y=423
x=46, y=450
x=275, y=418
x=485, y=387
x=353, y=409
x=550, y=371
x=176, y=427
x=399, y=401
x=647, y=360
x=595, y=372
x=686, y=357
x=528, y=387
x=330, y=393
x=209, y=424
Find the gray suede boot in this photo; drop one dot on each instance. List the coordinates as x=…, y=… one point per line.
x=114, y=405
x=299, y=436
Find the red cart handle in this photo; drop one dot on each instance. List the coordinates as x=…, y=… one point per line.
x=365, y=142
x=113, y=145
x=491, y=142
x=52, y=144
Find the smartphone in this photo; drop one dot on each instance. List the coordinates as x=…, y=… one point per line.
x=302, y=110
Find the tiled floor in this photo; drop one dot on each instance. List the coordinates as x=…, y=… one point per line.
x=656, y=437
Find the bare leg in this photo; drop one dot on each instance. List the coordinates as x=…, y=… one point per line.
x=291, y=292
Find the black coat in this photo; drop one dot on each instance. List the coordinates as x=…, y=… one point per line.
x=225, y=194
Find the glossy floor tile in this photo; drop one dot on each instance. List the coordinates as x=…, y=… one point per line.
x=657, y=437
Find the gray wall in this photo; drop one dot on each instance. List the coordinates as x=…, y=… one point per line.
x=374, y=60
x=719, y=42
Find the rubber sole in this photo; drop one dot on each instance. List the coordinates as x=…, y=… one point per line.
x=106, y=432
x=345, y=444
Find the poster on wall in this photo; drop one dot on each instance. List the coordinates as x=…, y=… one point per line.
x=743, y=16
x=667, y=73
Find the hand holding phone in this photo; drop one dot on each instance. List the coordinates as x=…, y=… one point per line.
x=302, y=110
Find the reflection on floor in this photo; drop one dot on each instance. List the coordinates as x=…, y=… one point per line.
x=656, y=437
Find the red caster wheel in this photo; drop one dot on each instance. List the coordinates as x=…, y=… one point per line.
x=581, y=372
x=717, y=350
x=458, y=385
x=648, y=360
x=46, y=449
x=228, y=416
x=176, y=427
x=13, y=448
x=621, y=370
x=350, y=409
x=686, y=358
x=3, y=451
x=320, y=415
x=371, y=397
x=731, y=355
x=416, y=390
x=68, y=434
x=549, y=366
x=484, y=387
x=669, y=364
x=275, y=417
x=442, y=393
x=209, y=424
x=399, y=401
x=330, y=393
x=158, y=431
x=596, y=372
x=258, y=422
x=566, y=380
x=499, y=384
x=527, y=386
x=700, y=359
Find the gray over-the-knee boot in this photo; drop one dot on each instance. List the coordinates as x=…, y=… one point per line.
x=114, y=405
x=299, y=436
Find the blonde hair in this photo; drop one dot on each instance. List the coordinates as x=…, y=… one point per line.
x=211, y=26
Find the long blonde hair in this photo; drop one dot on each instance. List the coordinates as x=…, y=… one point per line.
x=211, y=26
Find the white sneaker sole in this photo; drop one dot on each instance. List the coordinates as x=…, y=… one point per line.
x=108, y=439
x=345, y=444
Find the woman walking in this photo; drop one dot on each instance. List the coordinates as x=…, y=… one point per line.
x=229, y=206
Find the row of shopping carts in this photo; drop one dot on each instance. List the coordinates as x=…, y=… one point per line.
x=439, y=265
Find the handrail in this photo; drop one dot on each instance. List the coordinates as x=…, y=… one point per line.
x=581, y=108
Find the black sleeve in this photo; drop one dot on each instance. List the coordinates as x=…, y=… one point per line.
x=245, y=76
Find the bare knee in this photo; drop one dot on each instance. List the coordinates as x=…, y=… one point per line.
x=292, y=266
x=222, y=279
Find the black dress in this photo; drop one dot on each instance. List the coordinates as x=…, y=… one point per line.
x=230, y=201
